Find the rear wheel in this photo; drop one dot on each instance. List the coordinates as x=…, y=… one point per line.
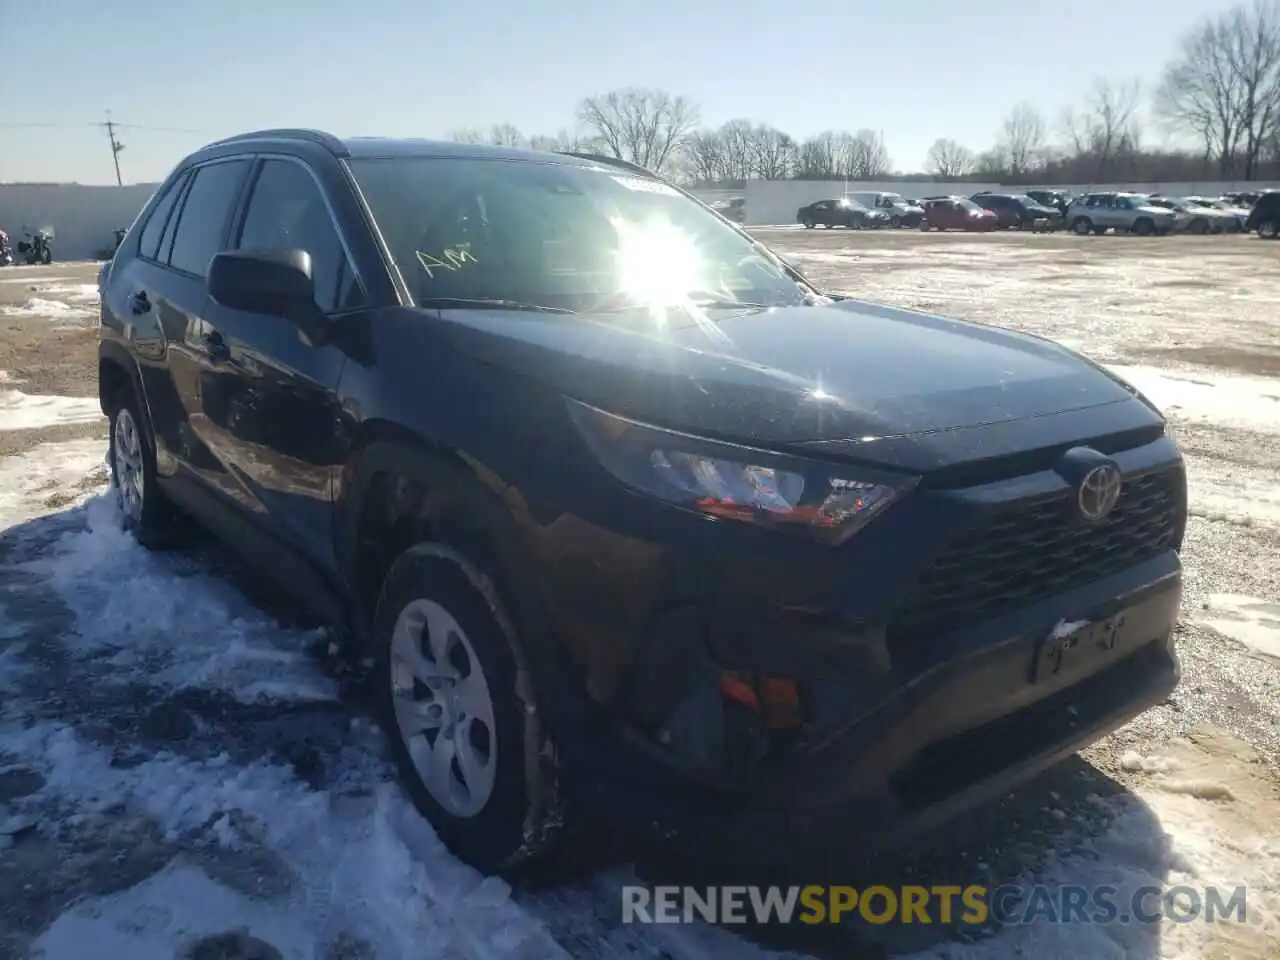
x=144, y=510
x=1144, y=227
x=1082, y=225
x=453, y=699
x=1268, y=229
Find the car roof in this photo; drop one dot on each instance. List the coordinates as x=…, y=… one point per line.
x=388, y=147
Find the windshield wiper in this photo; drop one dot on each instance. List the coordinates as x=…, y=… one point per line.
x=488, y=303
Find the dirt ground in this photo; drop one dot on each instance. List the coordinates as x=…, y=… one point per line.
x=44, y=356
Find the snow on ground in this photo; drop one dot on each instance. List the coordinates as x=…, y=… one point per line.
x=23, y=411
x=47, y=310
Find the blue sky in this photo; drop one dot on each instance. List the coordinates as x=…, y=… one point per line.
x=914, y=69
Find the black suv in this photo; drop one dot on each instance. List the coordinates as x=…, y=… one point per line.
x=632, y=520
x=1019, y=210
x=1265, y=216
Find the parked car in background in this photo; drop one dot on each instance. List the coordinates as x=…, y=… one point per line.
x=862, y=571
x=840, y=212
x=736, y=209
x=899, y=212
x=1194, y=217
x=1018, y=210
x=1265, y=216
x=1239, y=213
x=1051, y=198
x=1123, y=212
x=957, y=213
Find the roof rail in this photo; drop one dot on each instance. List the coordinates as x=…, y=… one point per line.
x=326, y=140
x=610, y=162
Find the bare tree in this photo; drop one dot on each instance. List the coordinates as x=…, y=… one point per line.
x=1200, y=93
x=467, y=135
x=1253, y=35
x=1022, y=138
x=507, y=135
x=738, y=146
x=865, y=156
x=817, y=158
x=639, y=125
x=704, y=156
x=566, y=141
x=947, y=159
x=775, y=153
x=1107, y=128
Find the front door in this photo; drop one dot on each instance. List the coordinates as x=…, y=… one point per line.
x=270, y=401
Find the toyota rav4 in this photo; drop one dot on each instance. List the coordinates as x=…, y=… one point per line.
x=631, y=519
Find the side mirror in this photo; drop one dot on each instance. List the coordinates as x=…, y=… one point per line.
x=276, y=282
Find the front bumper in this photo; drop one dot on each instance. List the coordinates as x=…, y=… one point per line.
x=961, y=735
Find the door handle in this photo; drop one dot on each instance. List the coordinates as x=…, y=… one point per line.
x=216, y=347
x=139, y=303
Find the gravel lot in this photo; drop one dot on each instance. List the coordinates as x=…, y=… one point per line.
x=109, y=734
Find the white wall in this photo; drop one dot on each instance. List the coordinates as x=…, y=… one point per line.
x=83, y=217
x=776, y=201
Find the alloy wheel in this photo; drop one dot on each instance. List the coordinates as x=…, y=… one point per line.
x=443, y=708
x=129, y=475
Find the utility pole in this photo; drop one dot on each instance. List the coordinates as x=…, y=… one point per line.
x=116, y=147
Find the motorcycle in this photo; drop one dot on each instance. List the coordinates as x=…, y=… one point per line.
x=6, y=251
x=40, y=247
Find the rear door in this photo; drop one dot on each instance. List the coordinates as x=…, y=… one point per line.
x=164, y=289
x=270, y=398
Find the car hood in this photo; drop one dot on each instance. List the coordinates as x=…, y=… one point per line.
x=846, y=373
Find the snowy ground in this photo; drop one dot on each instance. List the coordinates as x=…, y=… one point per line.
x=175, y=765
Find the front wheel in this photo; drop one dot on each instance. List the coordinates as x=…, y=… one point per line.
x=895, y=221
x=808, y=223
x=1081, y=226
x=1268, y=229
x=458, y=712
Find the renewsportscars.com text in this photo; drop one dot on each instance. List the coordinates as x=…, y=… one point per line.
x=972, y=905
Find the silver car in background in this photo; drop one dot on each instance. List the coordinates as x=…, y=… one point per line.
x=1123, y=212
x=1196, y=217
x=1238, y=212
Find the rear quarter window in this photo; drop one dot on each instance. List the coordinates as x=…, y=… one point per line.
x=154, y=228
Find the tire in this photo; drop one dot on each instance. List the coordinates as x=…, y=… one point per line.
x=441, y=612
x=1268, y=229
x=808, y=224
x=895, y=221
x=1081, y=225
x=145, y=512
x=924, y=226
x=1144, y=227
x=46, y=257
x=1199, y=226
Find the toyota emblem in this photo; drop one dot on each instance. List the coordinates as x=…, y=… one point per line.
x=1098, y=493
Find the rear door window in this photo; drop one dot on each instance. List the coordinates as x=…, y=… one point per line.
x=205, y=212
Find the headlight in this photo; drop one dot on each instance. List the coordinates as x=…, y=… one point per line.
x=725, y=481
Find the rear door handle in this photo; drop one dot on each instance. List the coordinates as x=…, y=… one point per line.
x=139, y=303
x=216, y=347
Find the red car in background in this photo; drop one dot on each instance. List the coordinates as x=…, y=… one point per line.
x=956, y=213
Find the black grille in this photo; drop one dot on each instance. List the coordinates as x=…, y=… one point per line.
x=1029, y=550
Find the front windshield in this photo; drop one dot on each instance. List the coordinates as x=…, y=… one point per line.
x=560, y=235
